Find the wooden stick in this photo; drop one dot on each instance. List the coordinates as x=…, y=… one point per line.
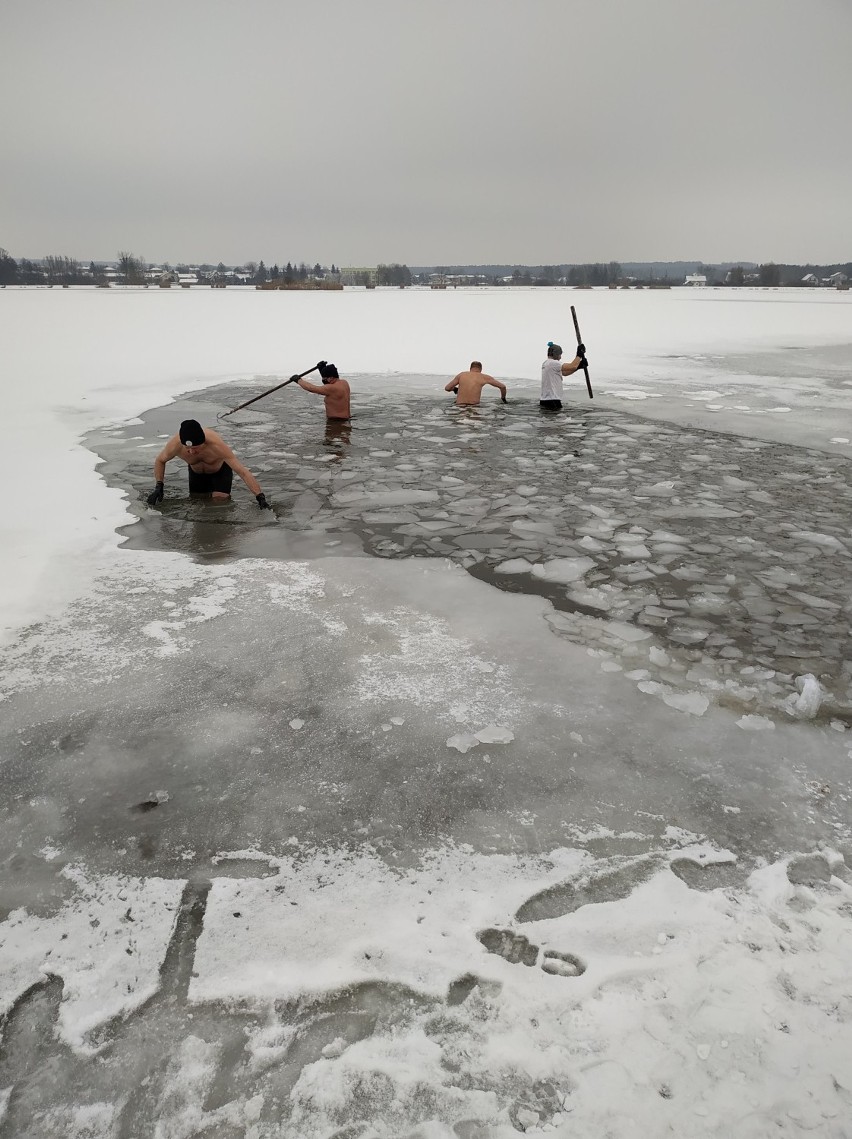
x=277, y=387
x=580, y=341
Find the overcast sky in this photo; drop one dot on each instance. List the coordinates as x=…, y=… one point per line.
x=427, y=131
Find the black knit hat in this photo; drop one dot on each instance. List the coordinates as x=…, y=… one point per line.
x=192, y=433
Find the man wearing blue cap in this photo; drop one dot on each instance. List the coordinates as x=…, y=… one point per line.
x=552, y=373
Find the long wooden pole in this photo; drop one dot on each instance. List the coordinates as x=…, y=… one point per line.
x=277, y=387
x=580, y=341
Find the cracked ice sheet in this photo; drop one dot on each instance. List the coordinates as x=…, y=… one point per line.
x=106, y=944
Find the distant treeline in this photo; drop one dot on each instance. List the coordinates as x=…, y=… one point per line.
x=130, y=269
x=730, y=273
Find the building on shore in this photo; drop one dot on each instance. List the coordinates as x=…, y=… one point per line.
x=359, y=275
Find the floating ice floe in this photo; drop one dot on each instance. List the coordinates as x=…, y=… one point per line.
x=806, y=704
x=514, y=565
x=632, y=393
x=755, y=723
x=693, y=702
x=625, y=632
x=495, y=734
x=490, y=734
x=463, y=741
x=826, y=541
x=563, y=570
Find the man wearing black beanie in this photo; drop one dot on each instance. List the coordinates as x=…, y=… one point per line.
x=211, y=462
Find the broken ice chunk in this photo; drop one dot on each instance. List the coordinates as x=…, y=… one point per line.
x=494, y=734
x=826, y=541
x=755, y=723
x=513, y=565
x=806, y=705
x=563, y=570
x=692, y=702
x=626, y=632
x=463, y=742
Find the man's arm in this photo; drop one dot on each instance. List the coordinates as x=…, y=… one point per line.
x=239, y=469
x=315, y=388
x=168, y=452
x=496, y=384
x=575, y=365
x=453, y=385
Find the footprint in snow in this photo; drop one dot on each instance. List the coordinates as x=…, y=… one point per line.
x=519, y=950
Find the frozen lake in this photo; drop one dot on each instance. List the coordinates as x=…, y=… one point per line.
x=497, y=781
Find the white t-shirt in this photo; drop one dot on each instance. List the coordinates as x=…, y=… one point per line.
x=551, y=379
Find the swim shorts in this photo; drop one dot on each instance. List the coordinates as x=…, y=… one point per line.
x=206, y=484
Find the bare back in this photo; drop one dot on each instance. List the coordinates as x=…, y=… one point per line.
x=470, y=385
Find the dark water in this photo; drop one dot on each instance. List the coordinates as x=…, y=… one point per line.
x=726, y=549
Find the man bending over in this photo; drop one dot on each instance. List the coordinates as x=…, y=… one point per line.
x=468, y=385
x=212, y=464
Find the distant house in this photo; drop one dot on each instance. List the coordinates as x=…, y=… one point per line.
x=187, y=279
x=360, y=275
x=810, y=279
x=837, y=280
x=697, y=280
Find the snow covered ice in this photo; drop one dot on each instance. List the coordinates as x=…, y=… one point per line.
x=499, y=782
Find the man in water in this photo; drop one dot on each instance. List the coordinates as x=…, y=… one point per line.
x=468, y=385
x=211, y=463
x=552, y=372
x=334, y=390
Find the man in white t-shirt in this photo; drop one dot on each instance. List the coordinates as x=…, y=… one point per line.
x=552, y=373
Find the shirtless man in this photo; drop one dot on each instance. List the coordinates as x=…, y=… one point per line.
x=211, y=463
x=468, y=385
x=334, y=390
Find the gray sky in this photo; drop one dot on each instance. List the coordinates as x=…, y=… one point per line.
x=427, y=131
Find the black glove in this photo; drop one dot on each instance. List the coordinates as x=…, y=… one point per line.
x=156, y=495
x=261, y=501
x=581, y=349
x=294, y=379
x=584, y=361
x=503, y=399
x=322, y=364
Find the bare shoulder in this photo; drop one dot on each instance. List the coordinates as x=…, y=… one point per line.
x=488, y=379
x=171, y=448
x=218, y=442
